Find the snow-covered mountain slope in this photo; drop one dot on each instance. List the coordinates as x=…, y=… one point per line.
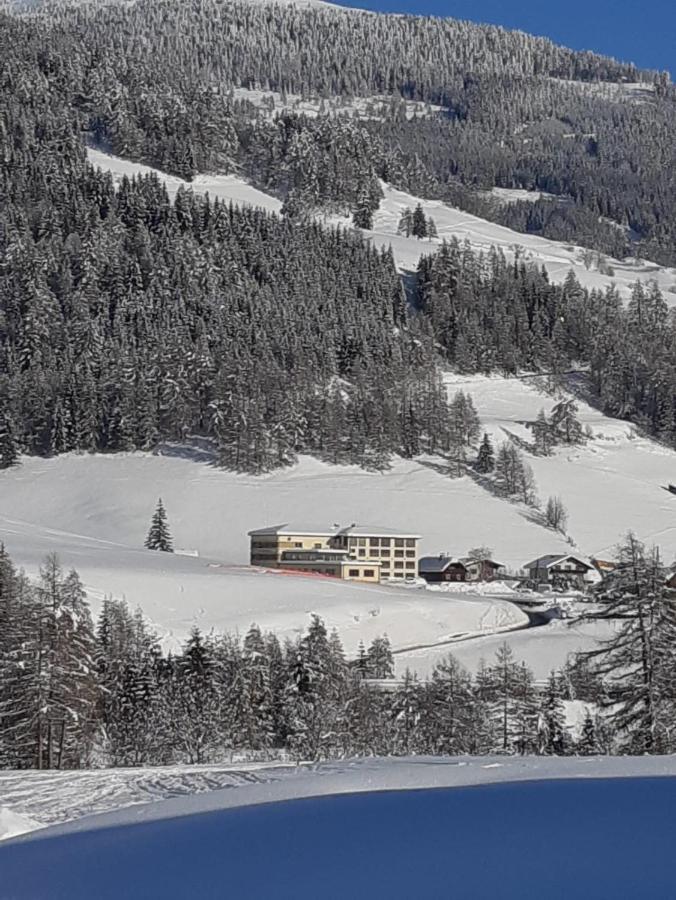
x=374, y=828
x=225, y=187
x=615, y=482
x=558, y=258
x=94, y=511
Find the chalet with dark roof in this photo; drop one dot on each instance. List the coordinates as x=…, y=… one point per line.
x=557, y=569
x=445, y=568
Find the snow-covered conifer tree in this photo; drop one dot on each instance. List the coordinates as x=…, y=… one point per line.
x=159, y=537
x=419, y=222
x=637, y=663
x=565, y=424
x=485, y=461
x=9, y=450
x=543, y=434
x=513, y=476
x=556, y=514
x=379, y=659
x=551, y=722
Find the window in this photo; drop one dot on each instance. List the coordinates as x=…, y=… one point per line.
x=298, y=544
x=353, y=573
x=375, y=542
x=369, y=573
x=399, y=564
x=399, y=553
x=384, y=542
x=410, y=554
x=362, y=552
x=318, y=546
x=398, y=542
x=410, y=542
x=410, y=565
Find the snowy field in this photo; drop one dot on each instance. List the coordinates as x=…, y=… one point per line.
x=178, y=592
x=558, y=258
x=400, y=828
x=94, y=512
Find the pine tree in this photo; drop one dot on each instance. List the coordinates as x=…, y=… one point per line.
x=194, y=700
x=450, y=726
x=556, y=515
x=419, y=222
x=588, y=744
x=485, y=461
x=257, y=701
x=49, y=691
x=464, y=421
x=379, y=658
x=408, y=709
x=513, y=476
x=159, y=537
x=543, y=434
x=9, y=451
x=405, y=225
x=507, y=688
x=637, y=662
x=362, y=216
x=551, y=724
x=564, y=423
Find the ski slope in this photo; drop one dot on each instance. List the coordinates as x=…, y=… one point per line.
x=558, y=258
x=492, y=827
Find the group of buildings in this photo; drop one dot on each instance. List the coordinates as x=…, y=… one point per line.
x=359, y=553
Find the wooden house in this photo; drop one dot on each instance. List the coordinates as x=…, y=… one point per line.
x=444, y=568
x=557, y=569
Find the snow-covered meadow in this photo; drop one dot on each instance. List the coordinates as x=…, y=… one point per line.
x=94, y=511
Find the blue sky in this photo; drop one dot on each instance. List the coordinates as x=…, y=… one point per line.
x=640, y=31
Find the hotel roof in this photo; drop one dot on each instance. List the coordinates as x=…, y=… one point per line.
x=289, y=528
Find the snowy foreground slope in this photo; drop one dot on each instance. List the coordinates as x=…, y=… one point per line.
x=397, y=828
x=94, y=511
x=558, y=258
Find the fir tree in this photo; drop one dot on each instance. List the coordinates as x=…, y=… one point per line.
x=588, y=744
x=564, y=423
x=551, y=725
x=543, y=434
x=485, y=461
x=379, y=658
x=9, y=451
x=419, y=222
x=159, y=537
